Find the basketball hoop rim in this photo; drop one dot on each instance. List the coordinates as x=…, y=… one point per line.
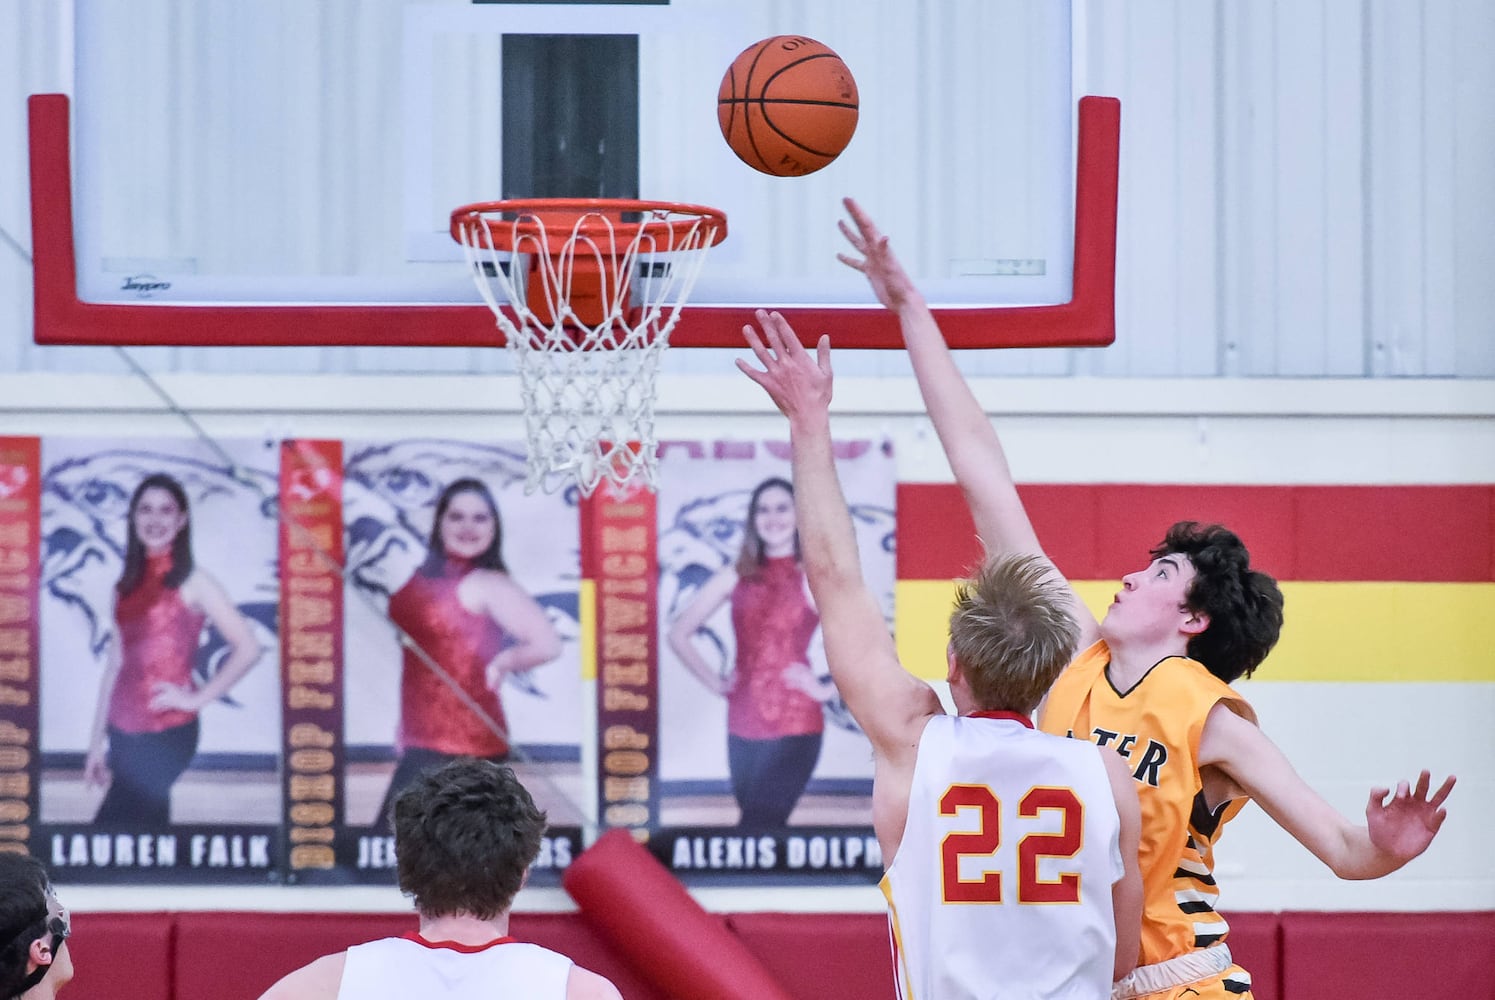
x=476, y=224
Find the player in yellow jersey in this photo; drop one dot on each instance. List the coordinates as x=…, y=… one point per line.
x=1152, y=682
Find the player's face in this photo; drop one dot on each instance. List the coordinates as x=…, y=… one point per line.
x=158, y=520
x=774, y=521
x=467, y=526
x=1151, y=602
x=59, y=923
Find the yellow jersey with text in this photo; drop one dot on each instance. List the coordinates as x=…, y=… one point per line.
x=1156, y=726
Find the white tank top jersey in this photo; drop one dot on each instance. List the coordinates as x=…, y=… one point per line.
x=1001, y=886
x=402, y=968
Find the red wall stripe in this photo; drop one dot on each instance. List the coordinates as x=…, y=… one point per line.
x=1100, y=531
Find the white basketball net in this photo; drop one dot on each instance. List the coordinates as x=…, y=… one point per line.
x=588, y=380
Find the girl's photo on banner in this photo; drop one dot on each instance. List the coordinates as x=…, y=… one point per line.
x=753, y=735
x=462, y=632
x=159, y=680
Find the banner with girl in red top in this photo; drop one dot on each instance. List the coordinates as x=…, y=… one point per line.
x=762, y=773
x=461, y=635
x=159, y=688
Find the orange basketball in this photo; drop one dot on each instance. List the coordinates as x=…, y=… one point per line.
x=787, y=106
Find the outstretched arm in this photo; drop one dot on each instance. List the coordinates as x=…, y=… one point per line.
x=1395, y=832
x=890, y=704
x=970, y=442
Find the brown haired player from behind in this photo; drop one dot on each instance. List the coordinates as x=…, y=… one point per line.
x=1153, y=684
x=465, y=835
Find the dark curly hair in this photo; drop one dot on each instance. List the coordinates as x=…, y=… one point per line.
x=23, y=916
x=1244, y=605
x=465, y=833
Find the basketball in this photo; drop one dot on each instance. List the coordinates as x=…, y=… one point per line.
x=787, y=106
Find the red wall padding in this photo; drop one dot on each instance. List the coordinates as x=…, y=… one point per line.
x=1408, y=956
x=122, y=956
x=817, y=956
x=1291, y=956
x=237, y=956
x=1256, y=945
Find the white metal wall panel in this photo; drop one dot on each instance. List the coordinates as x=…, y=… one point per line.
x=1306, y=186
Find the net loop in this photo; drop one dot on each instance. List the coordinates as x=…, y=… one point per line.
x=586, y=292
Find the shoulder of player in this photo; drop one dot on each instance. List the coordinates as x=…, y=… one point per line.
x=1229, y=733
x=583, y=984
x=319, y=980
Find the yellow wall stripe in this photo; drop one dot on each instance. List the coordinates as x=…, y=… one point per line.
x=1352, y=631
x=587, y=622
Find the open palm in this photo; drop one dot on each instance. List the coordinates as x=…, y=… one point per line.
x=1405, y=824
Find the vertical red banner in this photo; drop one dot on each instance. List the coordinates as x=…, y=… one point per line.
x=619, y=556
x=311, y=651
x=20, y=660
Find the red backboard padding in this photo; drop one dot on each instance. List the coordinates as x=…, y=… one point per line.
x=121, y=956
x=237, y=956
x=1406, y=956
x=817, y=955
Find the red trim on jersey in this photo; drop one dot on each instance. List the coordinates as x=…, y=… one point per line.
x=1003, y=714
x=466, y=949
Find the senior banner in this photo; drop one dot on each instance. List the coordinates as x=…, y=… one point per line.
x=159, y=723
x=460, y=636
x=762, y=775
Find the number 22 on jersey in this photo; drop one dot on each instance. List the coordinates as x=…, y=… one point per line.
x=1031, y=848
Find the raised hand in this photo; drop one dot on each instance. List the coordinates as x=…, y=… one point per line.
x=799, y=385
x=890, y=283
x=1405, y=825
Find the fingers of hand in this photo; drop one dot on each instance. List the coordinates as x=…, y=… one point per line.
x=1442, y=792
x=756, y=343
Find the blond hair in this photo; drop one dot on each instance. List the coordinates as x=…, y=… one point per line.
x=1012, y=631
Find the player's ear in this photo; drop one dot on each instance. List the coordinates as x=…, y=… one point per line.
x=952, y=668
x=1196, y=623
x=40, y=952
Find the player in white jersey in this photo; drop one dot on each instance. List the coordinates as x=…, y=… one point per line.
x=465, y=835
x=1014, y=853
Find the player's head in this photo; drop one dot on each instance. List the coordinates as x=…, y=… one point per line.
x=771, y=528
x=1012, y=632
x=1241, y=607
x=465, y=834
x=466, y=526
x=34, y=928
x=160, y=521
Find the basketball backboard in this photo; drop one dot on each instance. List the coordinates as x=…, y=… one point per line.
x=305, y=160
